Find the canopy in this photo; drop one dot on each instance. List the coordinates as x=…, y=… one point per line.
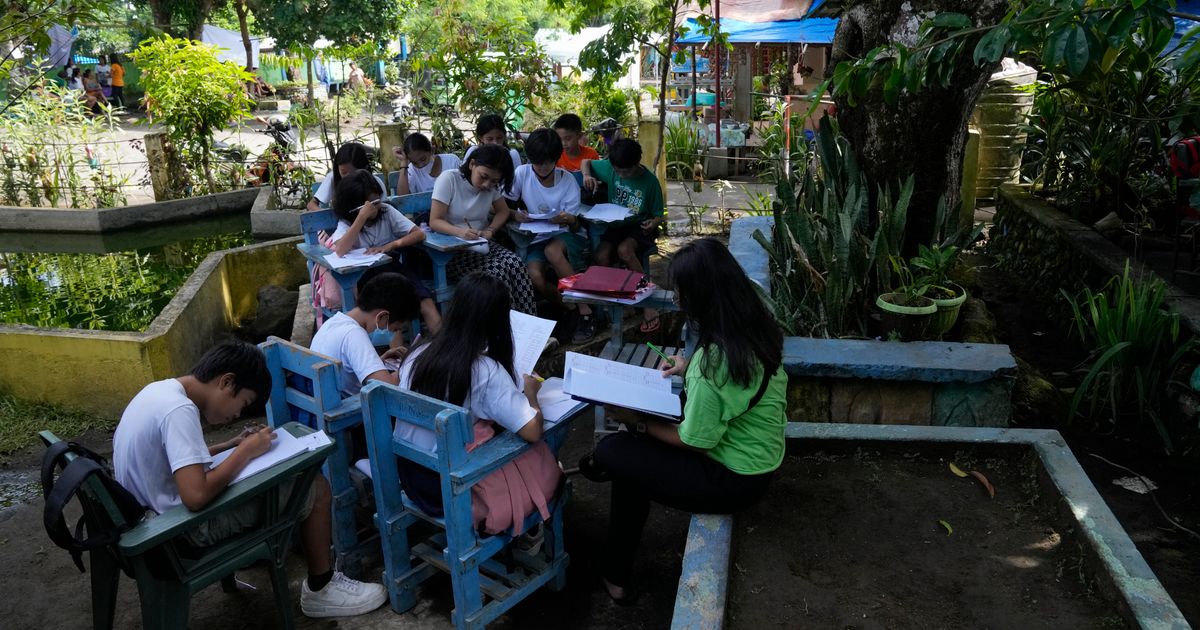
x=806, y=31
x=229, y=44
x=1182, y=25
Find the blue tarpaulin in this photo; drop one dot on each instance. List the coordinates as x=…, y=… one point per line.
x=806, y=31
x=1182, y=26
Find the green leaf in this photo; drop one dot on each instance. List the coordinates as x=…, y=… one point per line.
x=1077, y=51
x=991, y=46
x=951, y=20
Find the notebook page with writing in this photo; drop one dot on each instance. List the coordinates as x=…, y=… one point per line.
x=284, y=446
x=530, y=335
x=555, y=403
x=614, y=383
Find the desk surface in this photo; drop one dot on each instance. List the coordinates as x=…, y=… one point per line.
x=444, y=242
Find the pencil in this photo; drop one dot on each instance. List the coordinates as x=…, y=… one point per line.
x=669, y=360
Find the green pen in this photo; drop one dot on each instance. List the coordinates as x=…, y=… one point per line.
x=669, y=360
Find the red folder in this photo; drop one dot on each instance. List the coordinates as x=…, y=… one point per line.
x=609, y=281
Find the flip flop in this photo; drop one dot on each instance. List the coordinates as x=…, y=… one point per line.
x=650, y=325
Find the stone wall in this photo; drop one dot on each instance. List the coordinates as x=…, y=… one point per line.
x=1052, y=251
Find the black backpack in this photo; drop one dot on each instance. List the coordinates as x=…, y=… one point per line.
x=102, y=529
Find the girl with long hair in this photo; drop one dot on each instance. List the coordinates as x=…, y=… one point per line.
x=350, y=157
x=720, y=457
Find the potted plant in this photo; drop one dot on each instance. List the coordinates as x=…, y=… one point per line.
x=935, y=264
x=905, y=311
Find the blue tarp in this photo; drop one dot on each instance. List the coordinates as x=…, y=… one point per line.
x=1182, y=26
x=806, y=31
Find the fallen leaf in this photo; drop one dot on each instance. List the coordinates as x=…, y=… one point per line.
x=956, y=470
x=986, y=484
x=949, y=530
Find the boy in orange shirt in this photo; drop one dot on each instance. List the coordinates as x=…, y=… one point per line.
x=570, y=130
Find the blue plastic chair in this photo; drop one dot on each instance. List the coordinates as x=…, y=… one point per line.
x=483, y=587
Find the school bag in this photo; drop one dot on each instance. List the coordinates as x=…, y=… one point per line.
x=1185, y=158
x=502, y=500
x=58, y=493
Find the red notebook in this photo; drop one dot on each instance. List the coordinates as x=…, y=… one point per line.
x=609, y=281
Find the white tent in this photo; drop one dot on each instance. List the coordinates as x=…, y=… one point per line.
x=230, y=46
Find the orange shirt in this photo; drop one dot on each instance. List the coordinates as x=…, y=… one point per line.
x=118, y=75
x=575, y=163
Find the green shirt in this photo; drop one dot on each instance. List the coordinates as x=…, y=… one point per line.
x=715, y=418
x=641, y=193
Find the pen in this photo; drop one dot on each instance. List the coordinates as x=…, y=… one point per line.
x=669, y=360
x=538, y=378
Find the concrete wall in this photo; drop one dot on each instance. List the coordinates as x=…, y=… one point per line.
x=13, y=219
x=100, y=371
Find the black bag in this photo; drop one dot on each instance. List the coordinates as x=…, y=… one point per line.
x=58, y=493
x=593, y=197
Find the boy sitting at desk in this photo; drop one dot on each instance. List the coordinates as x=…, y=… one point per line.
x=159, y=455
x=633, y=186
x=570, y=130
x=386, y=301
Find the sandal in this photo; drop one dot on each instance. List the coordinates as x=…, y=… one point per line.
x=590, y=471
x=650, y=325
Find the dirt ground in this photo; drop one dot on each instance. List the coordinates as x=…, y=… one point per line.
x=42, y=588
x=865, y=548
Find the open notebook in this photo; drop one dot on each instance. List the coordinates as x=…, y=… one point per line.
x=612, y=383
x=283, y=447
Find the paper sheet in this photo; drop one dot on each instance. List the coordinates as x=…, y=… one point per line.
x=541, y=227
x=353, y=258
x=629, y=386
x=556, y=404
x=530, y=335
x=607, y=212
x=283, y=447
x=539, y=216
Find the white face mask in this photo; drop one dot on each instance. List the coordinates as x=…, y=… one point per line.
x=384, y=326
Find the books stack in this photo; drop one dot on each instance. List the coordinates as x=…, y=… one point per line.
x=608, y=284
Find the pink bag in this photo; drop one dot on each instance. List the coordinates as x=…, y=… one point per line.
x=325, y=290
x=503, y=499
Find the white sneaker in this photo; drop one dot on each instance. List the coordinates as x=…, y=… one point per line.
x=342, y=597
x=531, y=541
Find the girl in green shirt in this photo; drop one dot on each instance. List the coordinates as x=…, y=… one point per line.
x=720, y=458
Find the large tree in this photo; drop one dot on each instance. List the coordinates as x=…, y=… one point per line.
x=906, y=76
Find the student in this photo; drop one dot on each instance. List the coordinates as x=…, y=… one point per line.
x=365, y=222
x=720, y=458
x=633, y=186
x=159, y=455
x=419, y=165
x=118, y=81
x=470, y=364
x=490, y=130
x=570, y=130
x=462, y=200
x=75, y=79
x=93, y=92
x=104, y=74
x=385, y=302
x=350, y=157
x=543, y=187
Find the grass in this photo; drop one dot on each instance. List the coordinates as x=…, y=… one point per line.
x=21, y=420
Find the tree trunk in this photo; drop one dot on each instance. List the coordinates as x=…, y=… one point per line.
x=662, y=86
x=922, y=134
x=242, y=10
x=308, y=66
x=162, y=16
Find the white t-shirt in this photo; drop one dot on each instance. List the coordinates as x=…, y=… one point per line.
x=465, y=202
x=421, y=179
x=158, y=434
x=103, y=73
x=512, y=153
x=494, y=396
x=324, y=192
x=388, y=226
x=341, y=338
x=563, y=195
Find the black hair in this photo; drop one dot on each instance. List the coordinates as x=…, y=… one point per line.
x=391, y=292
x=490, y=122
x=625, y=153
x=244, y=360
x=350, y=153
x=731, y=317
x=476, y=324
x=491, y=156
x=352, y=192
x=569, y=122
x=417, y=142
x=543, y=145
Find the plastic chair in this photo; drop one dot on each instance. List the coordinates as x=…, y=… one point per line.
x=305, y=389
x=168, y=570
x=484, y=588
